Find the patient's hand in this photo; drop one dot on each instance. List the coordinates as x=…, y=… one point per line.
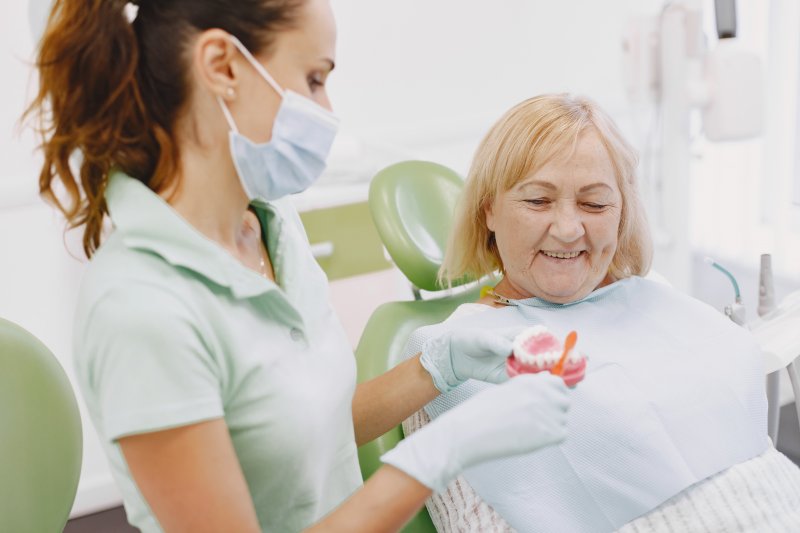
x=465, y=354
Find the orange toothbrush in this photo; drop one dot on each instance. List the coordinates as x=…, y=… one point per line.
x=569, y=344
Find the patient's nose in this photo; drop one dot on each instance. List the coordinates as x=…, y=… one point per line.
x=567, y=223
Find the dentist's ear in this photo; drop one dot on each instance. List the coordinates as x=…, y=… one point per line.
x=216, y=63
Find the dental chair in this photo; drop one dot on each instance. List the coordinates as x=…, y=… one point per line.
x=40, y=436
x=412, y=204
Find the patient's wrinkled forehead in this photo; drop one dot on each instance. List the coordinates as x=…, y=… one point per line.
x=586, y=170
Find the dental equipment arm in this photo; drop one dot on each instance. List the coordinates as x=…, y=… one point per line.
x=776, y=333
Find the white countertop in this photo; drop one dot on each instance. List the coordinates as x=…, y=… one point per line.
x=353, y=164
x=331, y=195
x=777, y=333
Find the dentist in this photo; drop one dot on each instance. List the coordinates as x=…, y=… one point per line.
x=219, y=380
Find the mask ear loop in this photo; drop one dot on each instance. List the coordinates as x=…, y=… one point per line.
x=256, y=65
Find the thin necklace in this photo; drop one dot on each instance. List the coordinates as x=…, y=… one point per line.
x=262, y=251
x=262, y=264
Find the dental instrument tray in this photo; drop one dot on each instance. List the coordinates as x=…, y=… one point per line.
x=778, y=333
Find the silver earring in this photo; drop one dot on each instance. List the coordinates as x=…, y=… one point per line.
x=230, y=93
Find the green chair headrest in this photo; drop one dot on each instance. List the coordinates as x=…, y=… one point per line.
x=412, y=204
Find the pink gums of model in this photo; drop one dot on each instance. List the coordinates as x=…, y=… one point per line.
x=536, y=349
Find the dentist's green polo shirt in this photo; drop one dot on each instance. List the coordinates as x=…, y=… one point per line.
x=172, y=330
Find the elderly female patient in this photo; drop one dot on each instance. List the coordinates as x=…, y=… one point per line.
x=668, y=429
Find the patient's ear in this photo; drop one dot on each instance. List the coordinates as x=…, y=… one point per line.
x=489, y=215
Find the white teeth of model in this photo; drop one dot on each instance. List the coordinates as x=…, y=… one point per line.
x=562, y=255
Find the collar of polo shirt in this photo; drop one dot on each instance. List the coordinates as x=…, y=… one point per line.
x=147, y=222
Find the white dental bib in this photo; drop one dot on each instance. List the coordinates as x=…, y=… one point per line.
x=674, y=393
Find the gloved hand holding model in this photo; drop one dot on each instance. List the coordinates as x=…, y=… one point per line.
x=521, y=416
x=459, y=355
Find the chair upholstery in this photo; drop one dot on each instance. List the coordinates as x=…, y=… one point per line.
x=40, y=436
x=412, y=204
x=384, y=337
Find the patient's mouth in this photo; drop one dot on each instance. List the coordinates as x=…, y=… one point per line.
x=562, y=256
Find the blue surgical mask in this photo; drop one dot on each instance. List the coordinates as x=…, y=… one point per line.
x=294, y=158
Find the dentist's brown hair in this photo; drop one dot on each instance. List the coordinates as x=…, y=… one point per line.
x=111, y=90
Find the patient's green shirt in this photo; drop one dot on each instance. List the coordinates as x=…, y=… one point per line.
x=172, y=330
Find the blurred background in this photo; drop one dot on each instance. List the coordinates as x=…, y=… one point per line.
x=715, y=121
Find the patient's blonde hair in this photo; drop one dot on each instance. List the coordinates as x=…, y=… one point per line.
x=526, y=138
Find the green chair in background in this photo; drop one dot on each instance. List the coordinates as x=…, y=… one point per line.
x=40, y=436
x=412, y=204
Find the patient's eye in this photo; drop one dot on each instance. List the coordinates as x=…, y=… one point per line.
x=538, y=202
x=591, y=206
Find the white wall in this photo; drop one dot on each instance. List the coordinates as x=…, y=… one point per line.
x=16, y=144
x=423, y=74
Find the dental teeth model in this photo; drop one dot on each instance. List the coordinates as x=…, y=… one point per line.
x=536, y=349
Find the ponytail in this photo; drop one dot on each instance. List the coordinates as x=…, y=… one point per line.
x=110, y=91
x=89, y=105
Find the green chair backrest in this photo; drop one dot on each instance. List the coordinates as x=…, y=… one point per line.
x=40, y=436
x=384, y=338
x=412, y=204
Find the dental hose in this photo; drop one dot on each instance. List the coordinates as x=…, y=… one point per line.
x=735, y=311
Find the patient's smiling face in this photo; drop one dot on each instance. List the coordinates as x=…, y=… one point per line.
x=556, y=230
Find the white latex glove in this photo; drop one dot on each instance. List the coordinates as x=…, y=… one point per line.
x=526, y=413
x=466, y=354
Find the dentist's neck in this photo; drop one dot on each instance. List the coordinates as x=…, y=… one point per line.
x=209, y=194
